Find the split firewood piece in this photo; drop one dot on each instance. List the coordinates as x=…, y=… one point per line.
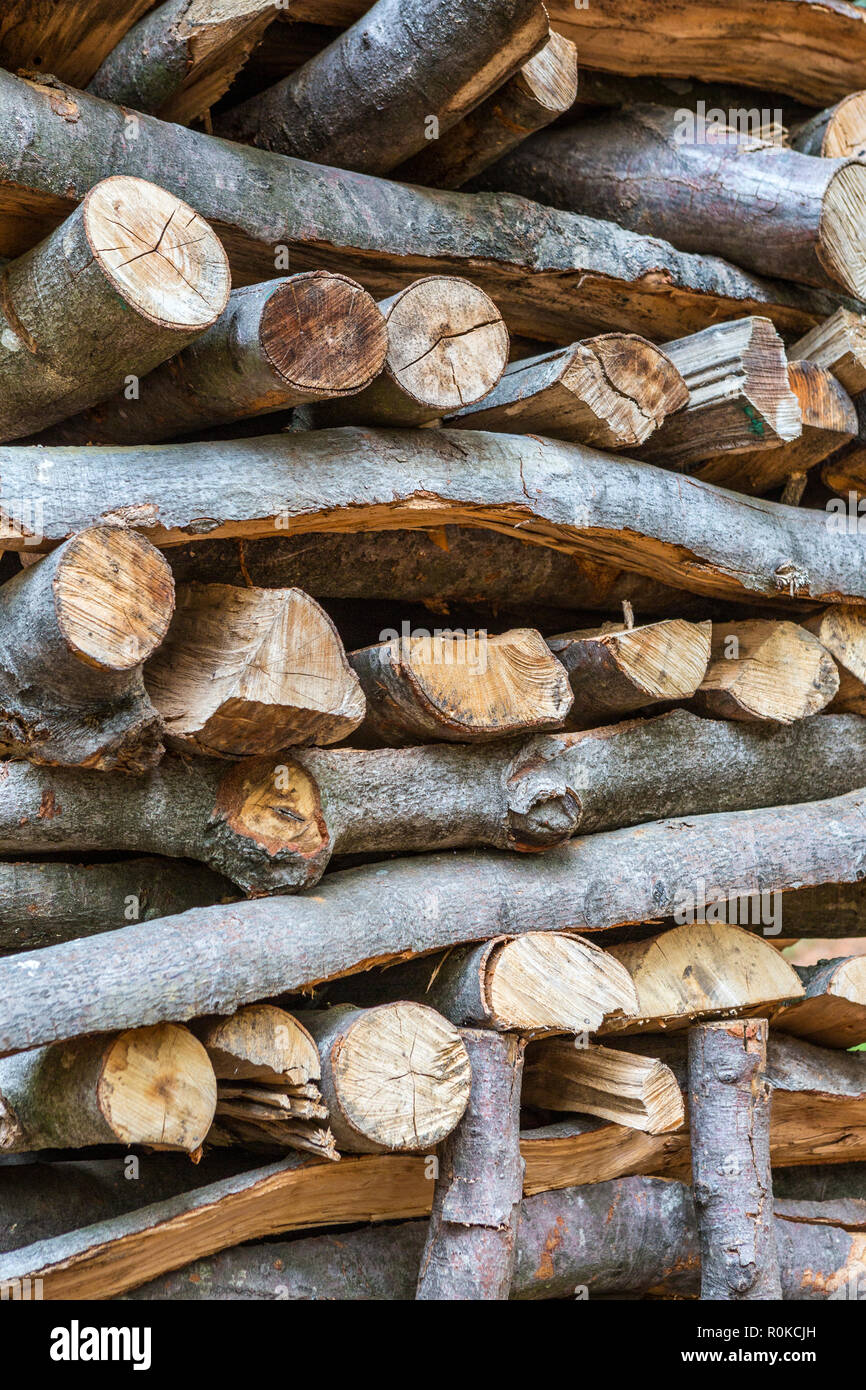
x=740, y=396
x=541, y=90
x=125, y=282
x=833, y=1011
x=842, y=631
x=42, y=904
x=395, y=1078
x=408, y=63
x=472, y=1237
x=729, y=1120
x=460, y=688
x=694, y=184
x=180, y=59
x=847, y=475
x=447, y=347
x=839, y=345
x=835, y=133
x=150, y=1086
x=700, y=970
x=638, y=1092
x=611, y=392
x=75, y=630
x=69, y=40
x=248, y=671
x=614, y=670
x=766, y=670
x=829, y=421
x=540, y=982
x=277, y=344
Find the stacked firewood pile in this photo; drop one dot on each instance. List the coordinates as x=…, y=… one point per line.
x=433, y=649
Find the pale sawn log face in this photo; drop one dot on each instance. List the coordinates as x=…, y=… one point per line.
x=762, y=670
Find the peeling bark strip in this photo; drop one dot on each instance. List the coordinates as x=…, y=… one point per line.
x=549, y=273
x=833, y=1011
x=839, y=346
x=43, y=903
x=149, y=1086
x=75, y=630
x=614, y=670
x=124, y=283
x=69, y=40
x=729, y=1109
x=278, y=344
x=180, y=59
x=766, y=670
x=407, y=61
x=212, y=960
x=472, y=1238
x=611, y=392
x=680, y=531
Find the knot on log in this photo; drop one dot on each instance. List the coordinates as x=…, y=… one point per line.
x=540, y=816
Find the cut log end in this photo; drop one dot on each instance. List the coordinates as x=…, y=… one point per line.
x=159, y=255
x=777, y=410
x=629, y=384
x=845, y=132
x=842, y=241
x=551, y=76
x=625, y=1088
x=277, y=807
x=447, y=343
x=157, y=1087
x=260, y=1043
x=547, y=982
x=767, y=671
x=114, y=597
x=324, y=333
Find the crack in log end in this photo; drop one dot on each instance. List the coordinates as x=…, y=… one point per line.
x=276, y=805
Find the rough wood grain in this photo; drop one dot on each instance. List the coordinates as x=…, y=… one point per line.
x=843, y=633
x=839, y=345
x=615, y=670
x=836, y=132
x=69, y=40
x=623, y=1087
x=766, y=670
x=833, y=1010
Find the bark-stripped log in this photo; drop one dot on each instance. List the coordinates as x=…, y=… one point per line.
x=471, y=1242
x=467, y=688
x=614, y=670
x=833, y=1011
x=550, y=273
x=395, y=1078
x=543, y=89
x=406, y=62
x=180, y=59
x=541, y=982
x=835, y=133
x=43, y=903
x=447, y=347
x=248, y=671
x=121, y=285
x=729, y=1110
x=829, y=422
x=638, y=1092
x=763, y=670
x=688, y=534
x=277, y=344
x=843, y=632
x=147, y=1086
x=215, y=959
x=69, y=40
x=612, y=392
x=839, y=345
x=75, y=630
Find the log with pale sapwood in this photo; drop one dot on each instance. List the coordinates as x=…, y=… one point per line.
x=842, y=631
x=614, y=670
x=623, y=1087
x=837, y=132
x=839, y=345
x=766, y=670
x=833, y=1011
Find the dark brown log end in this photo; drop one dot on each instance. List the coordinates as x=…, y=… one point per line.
x=324, y=333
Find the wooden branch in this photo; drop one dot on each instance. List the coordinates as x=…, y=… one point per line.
x=447, y=346
x=472, y=1237
x=260, y=1043
x=75, y=630
x=121, y=285
x=148, y=1086
x=250, y=671
x=551, y=274
x=611, y=392
x=395, y=1078
x=543, y=89
x=692, y=536
x=839, y=345
x=638, y=1092
x=763, y=670
x=181, y=57
x=843, y=633
x=833, y=1010
x=468, y=688
x=729, y=1108
x=405, y=63
x=829, y=421
x=835, y=133
x=277, y=344
x=69, y=40
x=215, y=959
x=614, y=670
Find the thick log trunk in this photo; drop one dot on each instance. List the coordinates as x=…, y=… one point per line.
x=251, y=671
x=551, y=274
x=763, y=670
x=180, y=59
x=839, y=345
x=69, y=40
x=838, y=132
x=833, y=1011
x=148, y=1086
x=76, y=630
x=471, y=1242
x=91, y=306
x=215, y=959
x=405, y=63
x=702, y=538
x=277, y=344
x=543, y=89
x=623, y=1087
x=729, y=1109
x=842, y=632
x=447, y=347
x=616, y=670
x=611, y=392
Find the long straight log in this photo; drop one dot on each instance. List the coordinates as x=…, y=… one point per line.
x=615, y=670
x=833, y=1010
x=69, y=40
x=550, y=273
x=760, y=670
x=215, y=959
